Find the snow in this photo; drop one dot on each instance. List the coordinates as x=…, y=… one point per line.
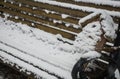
x=38, y=45
x=110, y=44
x=110, y=32
x=64, y=16
x=48, y=11
x=7, y=58
x=42, y=50
x=83, y=8
x=91, y=33
x=37, y=62
x=82, y=20
x=102, y=2
x=20, y=5
x=91, y=54
x=87, y=39
x=16, y=17
x=57, y=21
x=117, y=74
x=67, y=25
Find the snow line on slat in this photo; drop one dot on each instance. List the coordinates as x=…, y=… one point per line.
x=39, y=73
x=39, y=41
x=23, y=52
x=82, y=20
x=58, y=62
x=101, y=2
x=77, y=7
x=45, y=66
x=57, y=28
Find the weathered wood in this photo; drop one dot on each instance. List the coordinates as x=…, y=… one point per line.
x=43, y=20
x=72, y=12
x=92, y=19
x=17, y=69
x=43, y=13
x=103, y=6
x=24, y=9
x=45, y=28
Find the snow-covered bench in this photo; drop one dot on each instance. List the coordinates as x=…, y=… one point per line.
x=40, y=53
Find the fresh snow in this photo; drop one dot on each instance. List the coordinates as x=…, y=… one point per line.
x=82, y=20
x=83, y=8
x=38, y=46
x=43, y=50
x=87, y=39
x=102, y=2
x=64, y=16
x=110, y=32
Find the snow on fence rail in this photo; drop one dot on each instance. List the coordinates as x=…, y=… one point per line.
x=50, y=18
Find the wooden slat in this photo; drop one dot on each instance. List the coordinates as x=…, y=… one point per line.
x=94, y=18
x=103, y=6
x=45, y=28
x=72, y=12
x=54, y=31
x=43, y=13
x=17, y=68
x=62, y=26
x=101, y=43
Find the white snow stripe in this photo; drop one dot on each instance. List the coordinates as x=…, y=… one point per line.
x=102, y=2
x=77, y=7
x=67, y=31
x=39, y=73
x=45, y=66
